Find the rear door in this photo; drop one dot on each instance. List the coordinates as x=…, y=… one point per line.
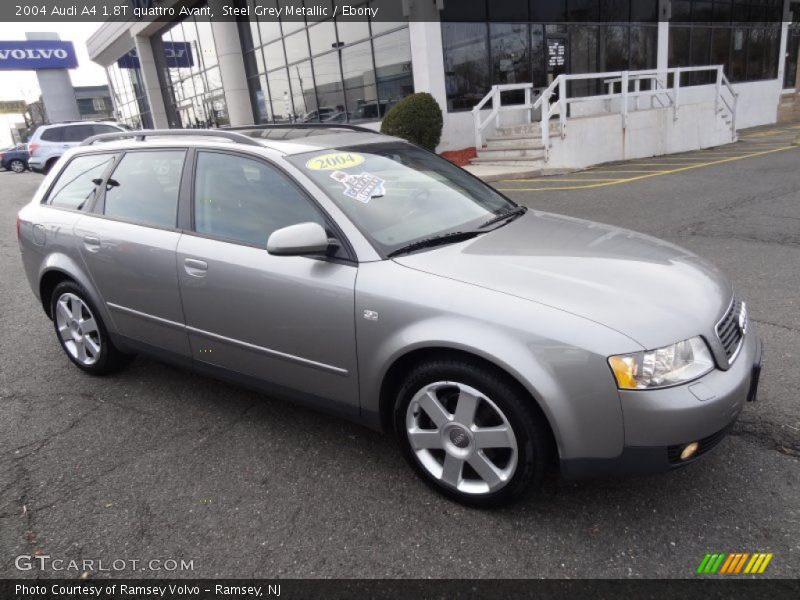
x=283, y=320
x=129, y=246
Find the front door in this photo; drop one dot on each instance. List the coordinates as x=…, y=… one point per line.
x=283, y=321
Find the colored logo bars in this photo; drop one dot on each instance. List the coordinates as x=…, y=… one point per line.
x=734, y=563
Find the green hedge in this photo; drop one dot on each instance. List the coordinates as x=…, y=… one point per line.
x=416, y=118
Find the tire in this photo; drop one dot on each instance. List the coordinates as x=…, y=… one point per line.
x=48, y=165
x=17, y=166
x=448, y=443
x=81, y=332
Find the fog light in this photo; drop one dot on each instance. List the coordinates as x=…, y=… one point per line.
x=689, y=451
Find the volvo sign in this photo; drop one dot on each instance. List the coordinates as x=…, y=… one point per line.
x=37, y=54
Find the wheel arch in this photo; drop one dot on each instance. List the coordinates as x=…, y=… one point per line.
x=403, y=364
x=59, y=267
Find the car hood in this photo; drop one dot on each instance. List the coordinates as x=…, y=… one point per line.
x=652, y=291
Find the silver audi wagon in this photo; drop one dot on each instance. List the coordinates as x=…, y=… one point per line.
x=369, y=278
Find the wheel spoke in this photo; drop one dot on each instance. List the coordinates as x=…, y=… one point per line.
x=80, y=351
x=422, y=439
x=434, y=409
x=451, y=470
x=76, y=308
x=92, y=347
x=485, y=469
x=89, y=326
x=63, y=309
x=64, y=332
x=466, y=407
x=492, y=437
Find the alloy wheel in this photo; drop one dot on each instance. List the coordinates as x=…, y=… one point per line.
x=78, y=329
x=461, y=438
x=17, y=166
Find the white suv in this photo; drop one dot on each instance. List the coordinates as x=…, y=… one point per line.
x=49, y=142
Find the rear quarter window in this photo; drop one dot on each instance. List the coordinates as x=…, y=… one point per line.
x=75, y=189
x=52, y=135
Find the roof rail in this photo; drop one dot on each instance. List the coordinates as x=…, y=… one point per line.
x=301, y=126
x=141, y=135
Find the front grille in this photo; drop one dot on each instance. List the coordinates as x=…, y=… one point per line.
x=706, y=444
x=731, y=328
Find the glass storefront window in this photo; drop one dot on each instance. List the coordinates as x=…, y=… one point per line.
x=303, y=95
x=330, y=93
x=392, y=68
x=466, y=64
x=129, y=97
x=296, y=47
x=322, y=37
x=337, y=70
x=359, y=81
x=279, y=94
x=192, y=81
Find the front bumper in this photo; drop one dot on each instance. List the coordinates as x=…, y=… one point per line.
x=660, y=423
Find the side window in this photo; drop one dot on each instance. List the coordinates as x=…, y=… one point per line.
x=98, y=129
x=75, y=187
x=53, y=134
x=246, y=200
x=76, y=133
x=144, y=187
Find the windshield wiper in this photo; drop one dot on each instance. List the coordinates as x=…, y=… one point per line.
x=437, y=240
x=513, y=212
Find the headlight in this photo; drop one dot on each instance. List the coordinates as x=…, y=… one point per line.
x=663, y=367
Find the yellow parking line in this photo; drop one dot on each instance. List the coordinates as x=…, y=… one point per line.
x=654, y=174
x=629, y=171
x=548, y=179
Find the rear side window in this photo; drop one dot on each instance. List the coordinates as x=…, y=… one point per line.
x=245, y=200
x=144, y=187
x=77, y=133
x=52, y=135
x=98, y=129
x=75, y=187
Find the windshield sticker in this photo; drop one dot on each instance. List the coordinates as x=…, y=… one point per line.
x=360, y=187
x=334, y=160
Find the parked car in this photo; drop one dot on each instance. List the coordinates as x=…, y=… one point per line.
x=49, y=142
x=367, y=277
x=15, y=158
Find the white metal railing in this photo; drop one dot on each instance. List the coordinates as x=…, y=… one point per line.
x=658, y=90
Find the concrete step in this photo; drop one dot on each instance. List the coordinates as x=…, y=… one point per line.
x=525, y=129
x=509, y=162
x=512, y=153
x=523, y=143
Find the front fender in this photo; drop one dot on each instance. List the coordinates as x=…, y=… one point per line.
x=559, y=358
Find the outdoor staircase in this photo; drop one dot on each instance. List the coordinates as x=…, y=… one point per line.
x=515, y=146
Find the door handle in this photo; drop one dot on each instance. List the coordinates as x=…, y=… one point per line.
x=91, y=242
x=194, y=267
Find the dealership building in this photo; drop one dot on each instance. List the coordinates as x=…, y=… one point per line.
x=201, y=73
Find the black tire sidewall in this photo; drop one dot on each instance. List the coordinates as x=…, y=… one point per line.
x=525, y=421
x=102, y=364
x=11, y=166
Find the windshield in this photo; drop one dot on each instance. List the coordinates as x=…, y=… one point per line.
x=397, y=194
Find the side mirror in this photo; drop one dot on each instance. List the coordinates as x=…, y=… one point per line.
x=300, y=239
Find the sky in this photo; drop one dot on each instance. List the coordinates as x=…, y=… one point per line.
x=22, y=85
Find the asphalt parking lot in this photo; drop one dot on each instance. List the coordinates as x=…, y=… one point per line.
x=158, y=463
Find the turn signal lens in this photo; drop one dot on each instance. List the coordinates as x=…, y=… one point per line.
x=624, y=368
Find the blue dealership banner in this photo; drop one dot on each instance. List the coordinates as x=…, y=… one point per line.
x=27, y=55
x=177, y=55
